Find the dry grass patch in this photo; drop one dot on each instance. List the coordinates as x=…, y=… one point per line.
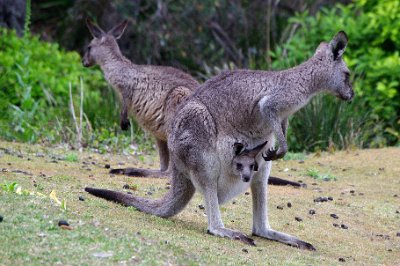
x=363, y=199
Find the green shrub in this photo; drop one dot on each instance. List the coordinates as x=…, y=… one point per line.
x=34, y=95
x=372, y=55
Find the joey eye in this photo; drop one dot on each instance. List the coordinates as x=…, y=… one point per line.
x=239, y=166
x=251, y=166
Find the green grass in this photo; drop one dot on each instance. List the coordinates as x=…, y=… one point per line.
x=105, y=233
x=314, y=173
x=11, y=188
x=300, y=156
x=33, y=237
x=71, y=157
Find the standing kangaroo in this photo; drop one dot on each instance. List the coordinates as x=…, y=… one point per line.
x=246, y=107
x=149, y=93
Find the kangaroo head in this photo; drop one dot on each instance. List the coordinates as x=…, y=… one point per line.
x=103, y=44
x=244, y=161
x=336, y=74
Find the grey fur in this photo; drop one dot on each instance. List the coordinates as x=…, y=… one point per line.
x=248, y=107
x=148, y=93
x=151, y=94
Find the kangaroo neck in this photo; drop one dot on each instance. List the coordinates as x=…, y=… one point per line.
x=299, y=84
x=305, y=79
x=117, y=70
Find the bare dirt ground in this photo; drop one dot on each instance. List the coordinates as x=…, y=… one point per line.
x=357, y=222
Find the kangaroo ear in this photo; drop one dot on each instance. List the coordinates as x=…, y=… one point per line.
x=338, y=44
x=238, y=148
x=95, y=30
x=253, y=152
x=255, y=169
x=118, y=30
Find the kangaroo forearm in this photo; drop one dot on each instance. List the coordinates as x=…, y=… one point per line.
x=281, y=140
x=272, y=120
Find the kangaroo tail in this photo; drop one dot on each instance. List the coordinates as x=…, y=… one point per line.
x=172, y=203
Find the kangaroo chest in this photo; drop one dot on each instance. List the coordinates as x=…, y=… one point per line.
x=229, y=188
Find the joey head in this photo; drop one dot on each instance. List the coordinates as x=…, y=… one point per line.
x=244, y=161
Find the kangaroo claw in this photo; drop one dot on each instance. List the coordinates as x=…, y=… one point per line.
x=306, y=246
x=245, y=239
x=224, y=232
x=270, y=155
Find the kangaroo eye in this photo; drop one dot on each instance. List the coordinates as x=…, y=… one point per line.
x=239, y=166
x=251, y=166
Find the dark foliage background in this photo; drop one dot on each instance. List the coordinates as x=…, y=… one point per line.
x=203, y=38
x=184, y=34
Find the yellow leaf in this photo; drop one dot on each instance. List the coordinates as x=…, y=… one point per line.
x=18, y=190
x=40, y=194
x=53, y=196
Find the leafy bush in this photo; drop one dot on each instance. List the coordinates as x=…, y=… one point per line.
x=373, y=57
x=34, y=95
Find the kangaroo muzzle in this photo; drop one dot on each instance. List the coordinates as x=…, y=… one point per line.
x=246, y=178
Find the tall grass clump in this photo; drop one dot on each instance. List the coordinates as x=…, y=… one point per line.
x=327, y=122
x=28, y=13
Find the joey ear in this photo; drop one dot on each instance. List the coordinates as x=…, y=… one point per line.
x=95, y=30
x=255, y=169
x=338, y=44
x=238, y=148
x=118, y=30
x=253, y=152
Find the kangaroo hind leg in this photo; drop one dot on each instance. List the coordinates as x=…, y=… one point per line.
x=215, y=225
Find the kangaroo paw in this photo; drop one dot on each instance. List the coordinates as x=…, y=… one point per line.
x=285, y=238
x=236, y=235
x=270, y=155
x=304, y=245
x=245, y=239
x=273, y=154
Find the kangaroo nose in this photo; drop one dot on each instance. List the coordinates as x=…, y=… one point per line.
x=246, y=179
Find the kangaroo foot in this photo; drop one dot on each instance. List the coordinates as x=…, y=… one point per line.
x=285, y=238
x=138, y=172
x=236, y=235
x=272, y=180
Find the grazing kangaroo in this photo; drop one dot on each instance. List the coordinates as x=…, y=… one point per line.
x=149, y=93
x=247, y=107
